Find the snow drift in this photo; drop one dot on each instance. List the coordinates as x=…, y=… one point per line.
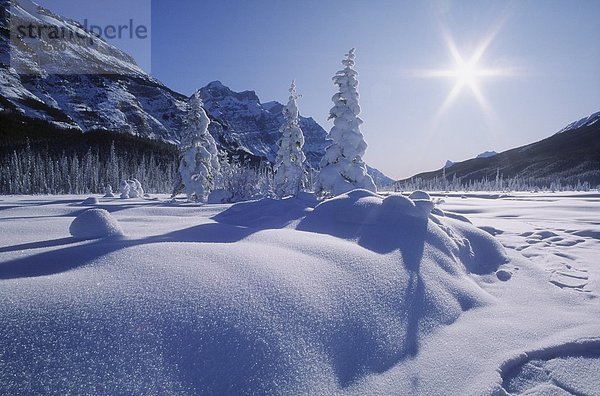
x=285, y=297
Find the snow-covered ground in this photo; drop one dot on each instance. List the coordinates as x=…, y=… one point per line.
x=361, y=295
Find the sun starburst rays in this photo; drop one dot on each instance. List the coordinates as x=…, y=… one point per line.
x=467, y=72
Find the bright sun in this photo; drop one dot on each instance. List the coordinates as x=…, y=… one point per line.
x=467, y=72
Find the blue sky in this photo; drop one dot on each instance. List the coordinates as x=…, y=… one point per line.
x=546, y=51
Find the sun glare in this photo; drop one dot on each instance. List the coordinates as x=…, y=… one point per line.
x=467, y=73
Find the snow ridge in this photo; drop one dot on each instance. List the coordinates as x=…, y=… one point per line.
x=585, y=121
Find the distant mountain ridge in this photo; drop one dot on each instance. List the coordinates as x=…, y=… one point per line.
x=585, y=121
x=570, y=156
x=114, y=94
x=486, y=154
x=257, y=124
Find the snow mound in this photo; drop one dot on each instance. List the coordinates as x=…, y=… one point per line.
x=387, y=224
x=268, y=213
x=419, y=195
x=95, y=223
x=90, y=201
x=108, y=193
x=354, y=301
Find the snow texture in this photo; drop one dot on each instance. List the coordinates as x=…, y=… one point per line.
x=290, y=173
x=95, y=223
x=359, y=294
x=342, y=167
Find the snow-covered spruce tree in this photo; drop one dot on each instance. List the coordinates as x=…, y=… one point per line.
x=342, y=167
x=199, y=165
x=290, y=173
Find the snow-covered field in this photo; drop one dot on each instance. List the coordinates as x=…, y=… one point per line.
x=361, y=295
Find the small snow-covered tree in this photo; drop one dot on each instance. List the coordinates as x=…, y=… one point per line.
x=199, y=165
x=124, y=189
x=290, y=173
x=342, y=167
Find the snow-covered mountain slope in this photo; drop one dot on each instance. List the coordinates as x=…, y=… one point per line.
x=106, y=90
x=570, y=157
x=448, y=164
x=585, y=121
x=486, y=154
x=258, y=124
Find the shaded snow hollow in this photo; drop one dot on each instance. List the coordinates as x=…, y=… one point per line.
x=285, y=297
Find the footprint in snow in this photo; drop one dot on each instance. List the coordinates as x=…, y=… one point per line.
x=593, y=234
x=526, y=234
x=570, y=278
x=565, y=255
x=503, y=275
x=569, y=242
x=568, y=369
x=492, y=230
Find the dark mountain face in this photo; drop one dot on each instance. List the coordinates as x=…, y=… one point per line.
x=109, y=91
x=569, y=156
x=257, y=124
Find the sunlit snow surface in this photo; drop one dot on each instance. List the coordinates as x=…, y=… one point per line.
x=362, y=295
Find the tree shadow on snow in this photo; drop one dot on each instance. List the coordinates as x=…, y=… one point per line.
x=39, y=245
x=72, y=257
x=266, y=213
x=61, y=260
x=355, y=351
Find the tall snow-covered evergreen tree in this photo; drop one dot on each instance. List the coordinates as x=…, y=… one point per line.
x=290, y=173
x=342, y=167
x=199, y=166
